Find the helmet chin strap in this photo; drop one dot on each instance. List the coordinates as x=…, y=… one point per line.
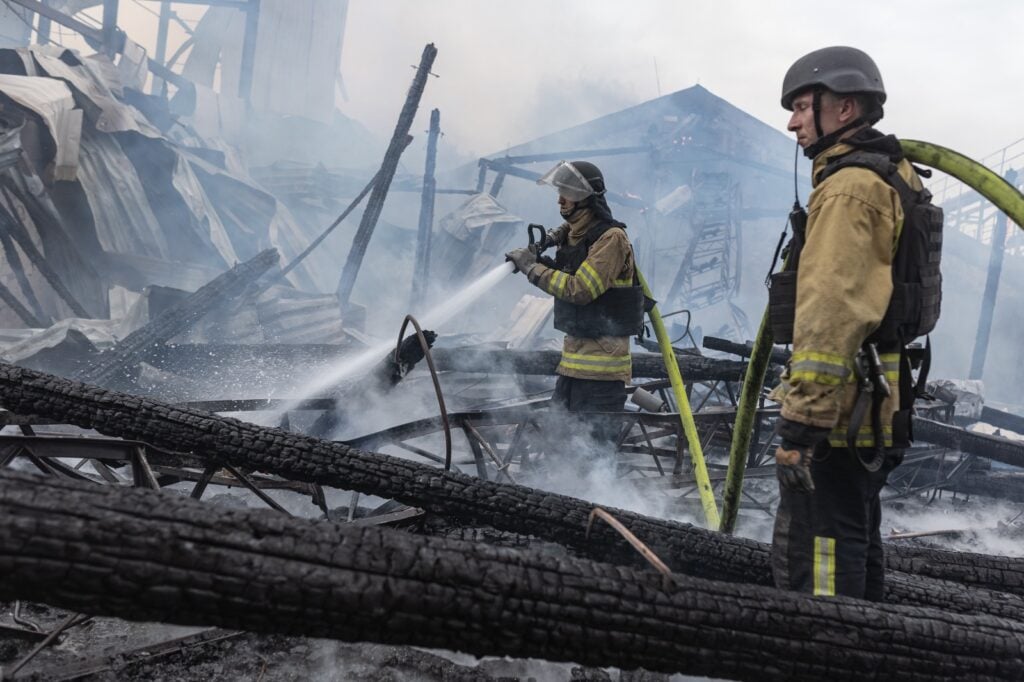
x=825, y=141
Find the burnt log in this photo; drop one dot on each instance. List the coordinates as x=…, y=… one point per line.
x=982, y=444
x=557, y=518
x=647, y=365
x=160, y=556
x=1004, y=485
x=116, y=365
x=779, y=356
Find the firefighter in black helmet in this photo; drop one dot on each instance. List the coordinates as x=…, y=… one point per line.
x=598, y=303
x=842, y=425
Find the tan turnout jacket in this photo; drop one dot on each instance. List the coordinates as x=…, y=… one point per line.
x=609, y=263
x=844, y=283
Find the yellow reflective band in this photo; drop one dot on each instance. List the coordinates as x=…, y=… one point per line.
x=595, y=369
x=828, y=369
x=558, y=282
x=624, y=282
x=600, y=364
x=588, y=358
x=588, y=275
x=824, y=566
x=865, y=436
x=891, y=367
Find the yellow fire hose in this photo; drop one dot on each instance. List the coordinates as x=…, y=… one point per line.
x=700, y=469
x=989, y=184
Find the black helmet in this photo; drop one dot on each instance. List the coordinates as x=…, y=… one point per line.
x=843, y=70
x=592, y=173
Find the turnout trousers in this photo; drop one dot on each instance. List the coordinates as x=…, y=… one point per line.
x=829, y=542
x=591, y=395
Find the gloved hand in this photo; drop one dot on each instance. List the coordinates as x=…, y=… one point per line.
x=793, y=466
x=523, y=258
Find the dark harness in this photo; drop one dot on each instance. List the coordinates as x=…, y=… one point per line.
x=913, y=309
x=619, y=311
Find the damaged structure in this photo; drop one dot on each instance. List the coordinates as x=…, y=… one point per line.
x=173, y=282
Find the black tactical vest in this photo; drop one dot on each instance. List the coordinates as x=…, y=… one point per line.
x=917, y=281
x=619, y=311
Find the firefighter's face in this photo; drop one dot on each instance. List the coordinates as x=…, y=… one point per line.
x=835, y=113
x=565, y=205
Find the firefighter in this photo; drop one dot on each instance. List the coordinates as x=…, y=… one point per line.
x=840, y=393
x=598, y=302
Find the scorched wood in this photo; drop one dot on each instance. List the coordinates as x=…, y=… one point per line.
x=117, y=364
x=529, y=511
x=159, y=556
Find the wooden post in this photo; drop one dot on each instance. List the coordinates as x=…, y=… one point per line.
x=375, y=204
x=421, y=272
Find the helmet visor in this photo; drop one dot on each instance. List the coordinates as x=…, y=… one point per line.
x=569, y=182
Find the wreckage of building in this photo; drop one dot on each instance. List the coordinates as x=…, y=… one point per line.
x=174, y=280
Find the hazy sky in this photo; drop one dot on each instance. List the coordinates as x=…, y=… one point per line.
x=511, y=71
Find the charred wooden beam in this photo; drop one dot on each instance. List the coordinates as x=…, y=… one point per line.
x=118, y=363
x=648, y=365
x=163, y=557
x=1004, y=485
x=779, y=356
x=551, y=516
x=375, y=204
x=982, y=444
x=1002, y=420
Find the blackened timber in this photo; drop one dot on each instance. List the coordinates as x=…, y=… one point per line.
x=118, y=363
x=1002, y=420
x=1004, y=485
x=982, y=444
x=375, y=204
x=515, y=508
x=162, y=557
x=779, y=356
x=648, y=365
x=421, y=273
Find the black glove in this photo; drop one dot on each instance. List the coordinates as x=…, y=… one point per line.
x=793, y=466
x=523, y=258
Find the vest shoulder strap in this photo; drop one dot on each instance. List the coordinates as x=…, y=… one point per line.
x=884, y=166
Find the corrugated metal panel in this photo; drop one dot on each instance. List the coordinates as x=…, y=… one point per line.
x=124, y=220
x=89, y=78
x=52, y=101
x=291, y=316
